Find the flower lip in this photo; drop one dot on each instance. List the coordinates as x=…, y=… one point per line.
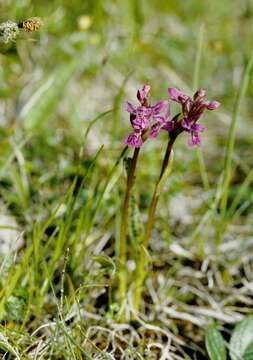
x=134, y=140
x=194, y=139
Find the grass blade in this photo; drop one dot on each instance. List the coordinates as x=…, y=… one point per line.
x=232, y=135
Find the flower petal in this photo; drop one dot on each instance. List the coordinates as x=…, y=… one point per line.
x=186, y=124
x=169, y=126
x=167, y=111
x=212, y=105
x=130, y=108
x=194, y=139
x=199, y=95
x=160, y=106
x=160, y=119
x=197, y=128
x=140, y=123
x=134, y=140
x=177, y=95
x=155, y=130
x=143, y=111
x=187, y=106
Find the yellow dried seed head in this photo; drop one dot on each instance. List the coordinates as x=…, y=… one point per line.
x=32, y=24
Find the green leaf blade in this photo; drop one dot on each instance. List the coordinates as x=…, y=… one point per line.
x=248, y=354
x=241, y=338
x=215, y=344
x=46, y=99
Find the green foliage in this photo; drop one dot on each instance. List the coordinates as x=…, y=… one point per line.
x=16, y=304
x=7, y=347
x=241, y=340
x=248, y=353
x=45, y=100
x=215, y=344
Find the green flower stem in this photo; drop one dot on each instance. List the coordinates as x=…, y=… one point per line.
x=141, y=264
x=124, y=228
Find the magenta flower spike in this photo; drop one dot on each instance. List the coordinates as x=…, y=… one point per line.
x=192, y=109
x=147, y=120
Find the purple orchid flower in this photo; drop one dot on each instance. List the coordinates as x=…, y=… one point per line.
x=192, y=109
x=147, y=120
x=194, y=129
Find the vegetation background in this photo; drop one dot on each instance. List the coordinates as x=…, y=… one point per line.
x=62, y=121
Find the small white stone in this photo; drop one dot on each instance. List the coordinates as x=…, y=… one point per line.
x=11, y=238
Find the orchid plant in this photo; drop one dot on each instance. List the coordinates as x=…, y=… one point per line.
x=147, y=121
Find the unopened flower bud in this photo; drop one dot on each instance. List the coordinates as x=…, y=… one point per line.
x=199, y=95
x=186, y=106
